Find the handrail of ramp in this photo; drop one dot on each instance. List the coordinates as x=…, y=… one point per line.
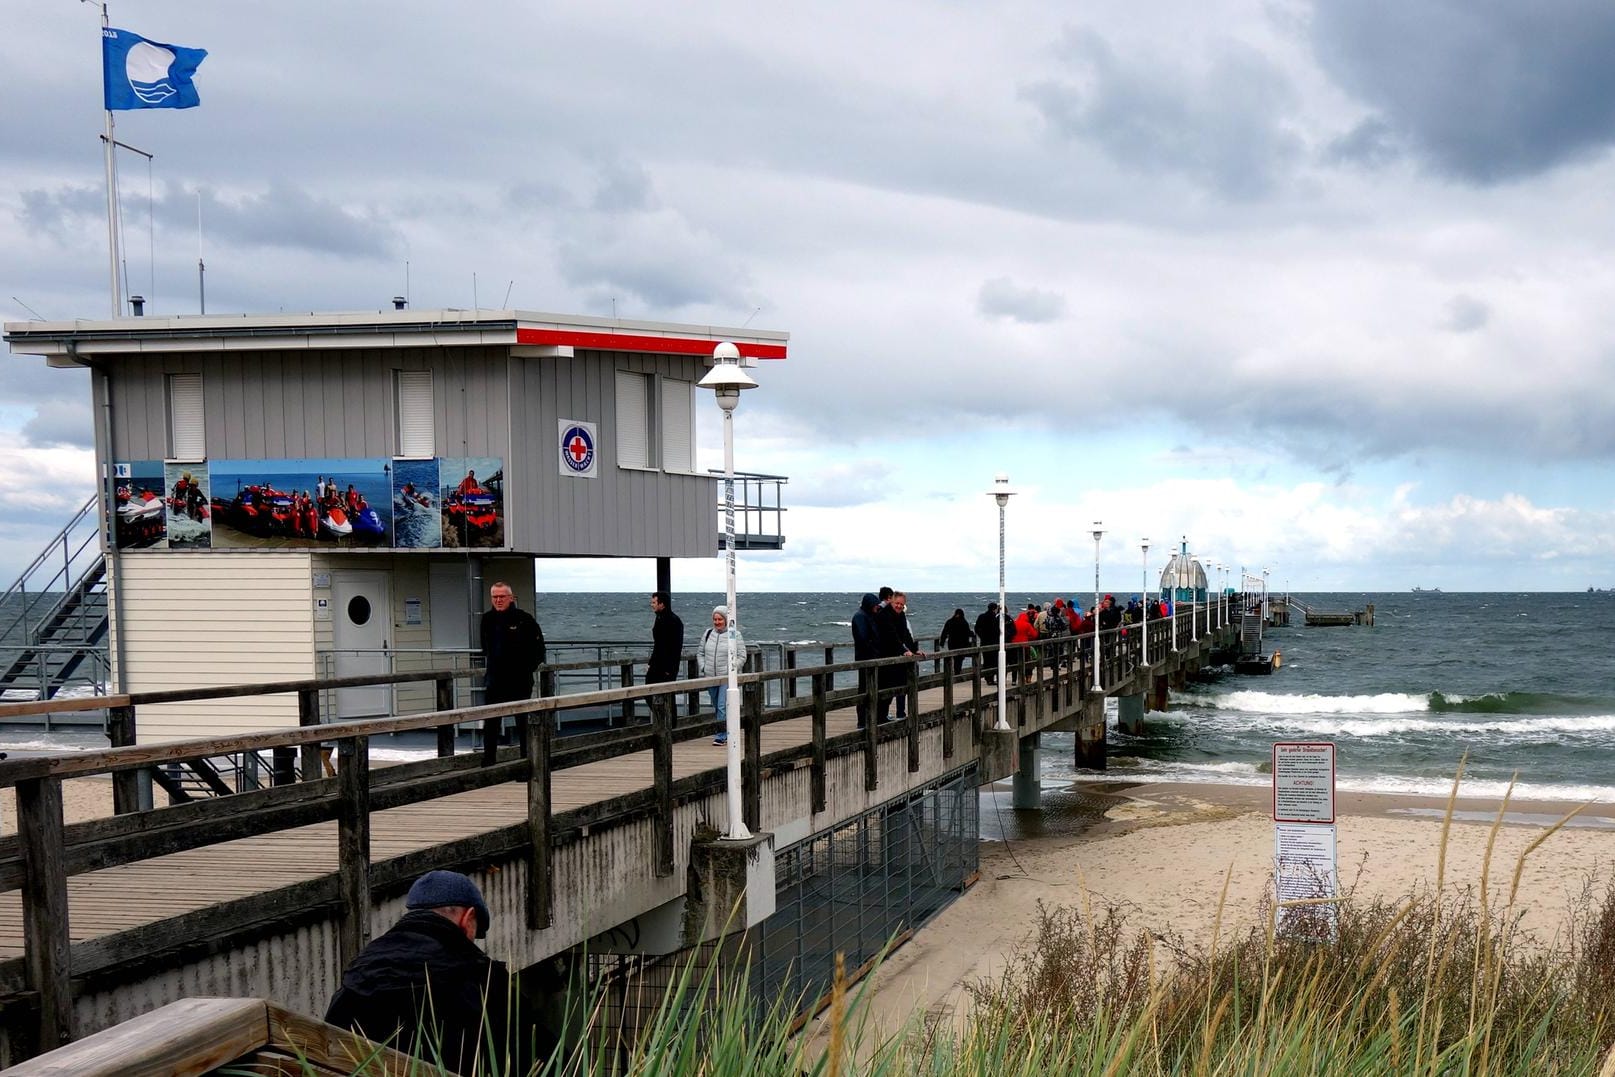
x=47, y=851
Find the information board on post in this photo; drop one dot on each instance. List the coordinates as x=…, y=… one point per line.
x=1303, y=782
x=1305, y=858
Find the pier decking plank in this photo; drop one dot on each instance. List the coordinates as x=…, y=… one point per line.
x=131, y=895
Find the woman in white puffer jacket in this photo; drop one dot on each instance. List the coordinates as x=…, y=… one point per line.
x=713, y=656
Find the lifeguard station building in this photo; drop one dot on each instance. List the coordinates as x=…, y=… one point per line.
x=302, y=495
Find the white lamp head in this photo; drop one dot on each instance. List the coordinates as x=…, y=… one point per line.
x=726, y=378
x=1146, y=544
x=1001, y=491
x=1098, y=531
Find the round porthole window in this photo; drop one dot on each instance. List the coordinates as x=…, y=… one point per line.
x=359, y=609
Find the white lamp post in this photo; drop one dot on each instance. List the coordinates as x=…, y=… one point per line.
x=1098, y=533
x=1144, y=597
x=1001, y=493
x=726, y=379
x=1194, y=603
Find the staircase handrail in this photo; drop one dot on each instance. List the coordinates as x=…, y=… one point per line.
x=70, y=580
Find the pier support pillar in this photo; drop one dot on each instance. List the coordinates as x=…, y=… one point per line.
x=1091, y=736
x=998, y=755
x=1158, y=692
x=1028, y=786
x=1130, y=714
x=731, y=886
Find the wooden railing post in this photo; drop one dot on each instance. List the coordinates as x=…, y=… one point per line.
x=790, y=665
x=353, y=845
x=912, y=689
x=540, y=884
x=625, y=677
x=751, y=774
x=662, y=780
x=975, y=701
x=692, y=698
x=947, y=712
x=872, y=729
x=46, y=944
x=125, y=783
x=820, y=713
x=308, y=714
x=445, y=702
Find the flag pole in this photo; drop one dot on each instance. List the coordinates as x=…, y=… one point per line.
x=112, y=204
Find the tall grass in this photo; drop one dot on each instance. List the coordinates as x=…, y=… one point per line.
x=1439, y=982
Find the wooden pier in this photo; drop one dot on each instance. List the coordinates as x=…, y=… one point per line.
x=269, y=892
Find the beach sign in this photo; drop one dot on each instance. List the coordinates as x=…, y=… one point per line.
x=1303, y=782
x=1306, y=874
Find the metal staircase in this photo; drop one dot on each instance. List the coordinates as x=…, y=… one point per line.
x=53, y=619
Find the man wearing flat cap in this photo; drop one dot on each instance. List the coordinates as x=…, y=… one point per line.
x=427, y=989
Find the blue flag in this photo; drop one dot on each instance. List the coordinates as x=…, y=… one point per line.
x=136, y=73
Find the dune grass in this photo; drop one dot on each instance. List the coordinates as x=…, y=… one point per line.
x=1439, y=982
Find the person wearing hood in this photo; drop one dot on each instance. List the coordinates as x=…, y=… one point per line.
x=956, y=635
x=865, y=646
x=713, y=658
x=988, y=627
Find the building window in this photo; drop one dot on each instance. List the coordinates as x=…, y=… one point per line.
x=633, y=419
x=413, y=391
x=185, y=440
x=678, y=425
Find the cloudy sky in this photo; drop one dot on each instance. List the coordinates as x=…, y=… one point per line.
x=1321, y=285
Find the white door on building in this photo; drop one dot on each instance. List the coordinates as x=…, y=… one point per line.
x=361, y=620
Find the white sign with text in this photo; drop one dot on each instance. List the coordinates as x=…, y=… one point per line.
x=1303, y=782
x=1305, y=870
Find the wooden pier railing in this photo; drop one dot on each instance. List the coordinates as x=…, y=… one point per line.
x=47, y=850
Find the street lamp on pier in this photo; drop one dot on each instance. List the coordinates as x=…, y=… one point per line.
x=726, y=379
x=1098, y=533
x=1001, y=493
x=1194, y=602
x=1144, y=596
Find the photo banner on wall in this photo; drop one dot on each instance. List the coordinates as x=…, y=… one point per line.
x=302, y=504
x=139, y=512
x=190, y=511
x=417, y=519
x=472, y=496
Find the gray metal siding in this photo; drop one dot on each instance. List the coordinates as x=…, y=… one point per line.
x=622, y=513
x=338, y=403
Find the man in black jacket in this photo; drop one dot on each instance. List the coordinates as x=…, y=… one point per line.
x=512, y=647
x=865, y=646
x=891, y=624
x=425, y=988
x=988, y=626
x=667, y=647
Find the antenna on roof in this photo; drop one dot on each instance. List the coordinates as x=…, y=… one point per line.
x=475, y=306
x=38, y=317
x=749, y=317
x=201, y=268
x=506, y=304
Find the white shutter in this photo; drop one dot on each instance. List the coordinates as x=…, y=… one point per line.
x=633, y=419
x=678, y=425
x=415, y=433
x=185, y=440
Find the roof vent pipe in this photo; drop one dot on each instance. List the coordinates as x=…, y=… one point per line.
x=399, y=302
x=137, y=305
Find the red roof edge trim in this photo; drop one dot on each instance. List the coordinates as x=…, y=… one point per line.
x=631, y=342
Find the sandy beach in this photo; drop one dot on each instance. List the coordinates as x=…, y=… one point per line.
x=1162, y=851
x=82, y=799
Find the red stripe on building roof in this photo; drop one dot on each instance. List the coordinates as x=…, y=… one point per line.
x=633, y=342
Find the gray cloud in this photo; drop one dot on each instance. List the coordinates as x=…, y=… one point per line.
x=284, y=215
x=1001, y=297
x=1486, y=90
x=60, y=400
x=1371, y=144
x=1465, y=314
x=1224, y=127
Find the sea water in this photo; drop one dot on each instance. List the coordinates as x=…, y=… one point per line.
x=1522, y=683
